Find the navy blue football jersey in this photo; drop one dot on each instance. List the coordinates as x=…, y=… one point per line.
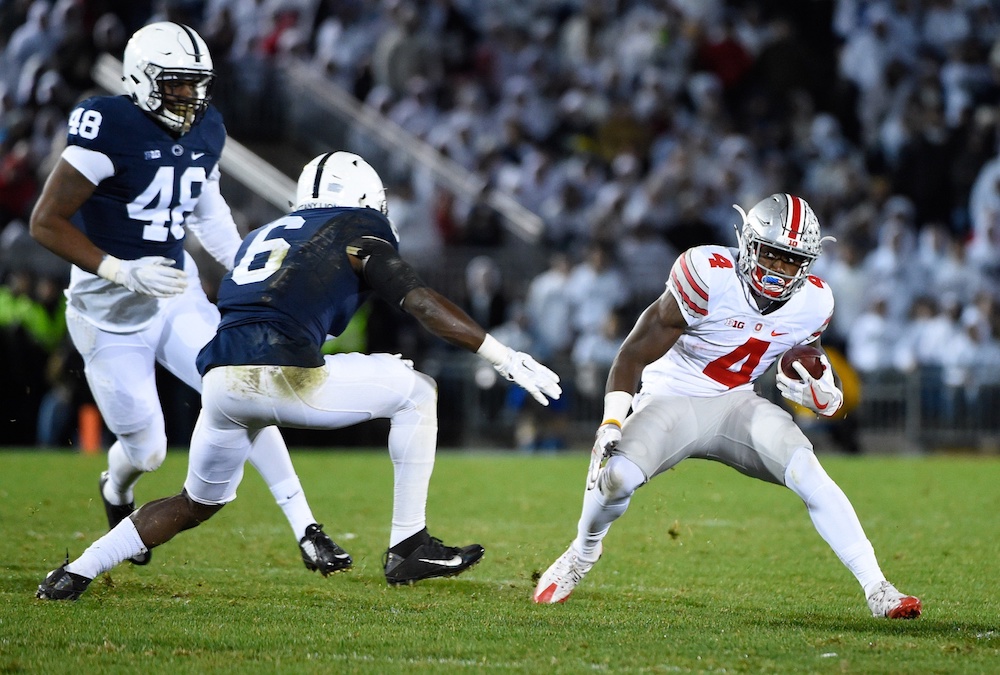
x=292, y=285
x=141, y=209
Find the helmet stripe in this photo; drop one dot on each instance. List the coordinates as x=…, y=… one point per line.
x=795, y=216
x=319, y=173
x=194, y=42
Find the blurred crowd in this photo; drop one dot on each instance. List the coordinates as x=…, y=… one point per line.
x=630, y=127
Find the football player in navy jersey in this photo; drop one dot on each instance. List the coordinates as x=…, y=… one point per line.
x=138, y=171
x=686, y=371
x=295, y=281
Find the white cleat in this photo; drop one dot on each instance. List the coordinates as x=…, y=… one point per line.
x=561, y=578
x=887, y=602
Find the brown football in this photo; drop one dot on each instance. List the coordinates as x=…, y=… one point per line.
x=807, y=356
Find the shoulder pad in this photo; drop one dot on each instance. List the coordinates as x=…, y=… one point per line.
x=688, y=279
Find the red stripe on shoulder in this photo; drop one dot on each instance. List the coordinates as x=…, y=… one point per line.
x=691, y=278
x=687, y=299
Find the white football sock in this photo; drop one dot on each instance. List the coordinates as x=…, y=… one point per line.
x=600, y=510
x=834, y=517
x=269, y=456
x=117, y=546
x=412, y=444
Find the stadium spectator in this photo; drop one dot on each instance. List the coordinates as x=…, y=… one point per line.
x=339, y=247
x=597, y=286
x=871, y=338
x=577, y=62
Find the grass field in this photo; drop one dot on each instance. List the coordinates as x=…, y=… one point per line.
x=707, y=572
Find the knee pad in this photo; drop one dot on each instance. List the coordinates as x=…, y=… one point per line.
x=620, y=478
x=147, y=448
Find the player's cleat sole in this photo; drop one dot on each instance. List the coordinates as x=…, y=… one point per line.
x=321, y=554
x=558, y=582
x=889, y=603
x=62, y=585
x=116, y=513
x=429, y=561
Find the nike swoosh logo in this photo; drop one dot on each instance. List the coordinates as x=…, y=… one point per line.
x=821, y=406
x=453, y=562
x=775, y=333
x=197, y=155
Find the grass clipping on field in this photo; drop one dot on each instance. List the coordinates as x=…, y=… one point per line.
x=707, y=571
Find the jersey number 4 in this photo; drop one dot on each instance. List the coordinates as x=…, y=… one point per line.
x=750, y=353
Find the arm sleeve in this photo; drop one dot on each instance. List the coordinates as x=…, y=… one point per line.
x=212, y=223
x=388, y=275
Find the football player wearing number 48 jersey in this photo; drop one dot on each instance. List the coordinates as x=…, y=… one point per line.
x=686, y=371
x=295, y=281
x=139, y=170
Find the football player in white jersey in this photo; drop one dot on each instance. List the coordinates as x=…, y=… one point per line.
x=686, y=371
x=139, y=170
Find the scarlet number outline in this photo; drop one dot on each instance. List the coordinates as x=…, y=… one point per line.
x=750, y=353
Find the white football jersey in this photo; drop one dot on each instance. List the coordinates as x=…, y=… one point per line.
x=729, y=343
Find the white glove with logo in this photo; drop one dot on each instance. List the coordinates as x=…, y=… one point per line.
x=608, y=436
x=522, y=369
x=821, y=396
x=151, y=275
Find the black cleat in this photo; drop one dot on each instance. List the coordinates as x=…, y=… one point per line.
x=321, y=554
x=117, y=513
x=62, y=585
x=430, y=559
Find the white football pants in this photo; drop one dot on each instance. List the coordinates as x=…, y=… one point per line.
x=238, y=401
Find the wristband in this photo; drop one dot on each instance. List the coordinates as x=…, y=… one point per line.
x=616, y=406
x=492, y=350
x=109, y=267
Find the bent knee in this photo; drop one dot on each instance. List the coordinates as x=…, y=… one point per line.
x=620, y=478
x=424, y=389
x=146, y=450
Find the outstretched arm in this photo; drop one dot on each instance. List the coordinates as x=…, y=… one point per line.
x=396, y=281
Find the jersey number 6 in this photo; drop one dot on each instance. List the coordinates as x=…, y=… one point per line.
x=263, y=256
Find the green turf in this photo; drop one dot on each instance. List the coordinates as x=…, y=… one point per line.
x=708, y=572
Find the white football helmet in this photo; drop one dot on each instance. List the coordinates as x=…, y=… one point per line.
x=163, y=52
x=340, y=179
x=783, y=222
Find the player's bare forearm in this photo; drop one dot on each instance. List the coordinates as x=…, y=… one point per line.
x=656, y=331
x=64, y=193
x=443, y=318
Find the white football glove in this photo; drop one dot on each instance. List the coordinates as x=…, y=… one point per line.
x=608, y=436
x=151, y=275
x=821, y=396
x=535, y=378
